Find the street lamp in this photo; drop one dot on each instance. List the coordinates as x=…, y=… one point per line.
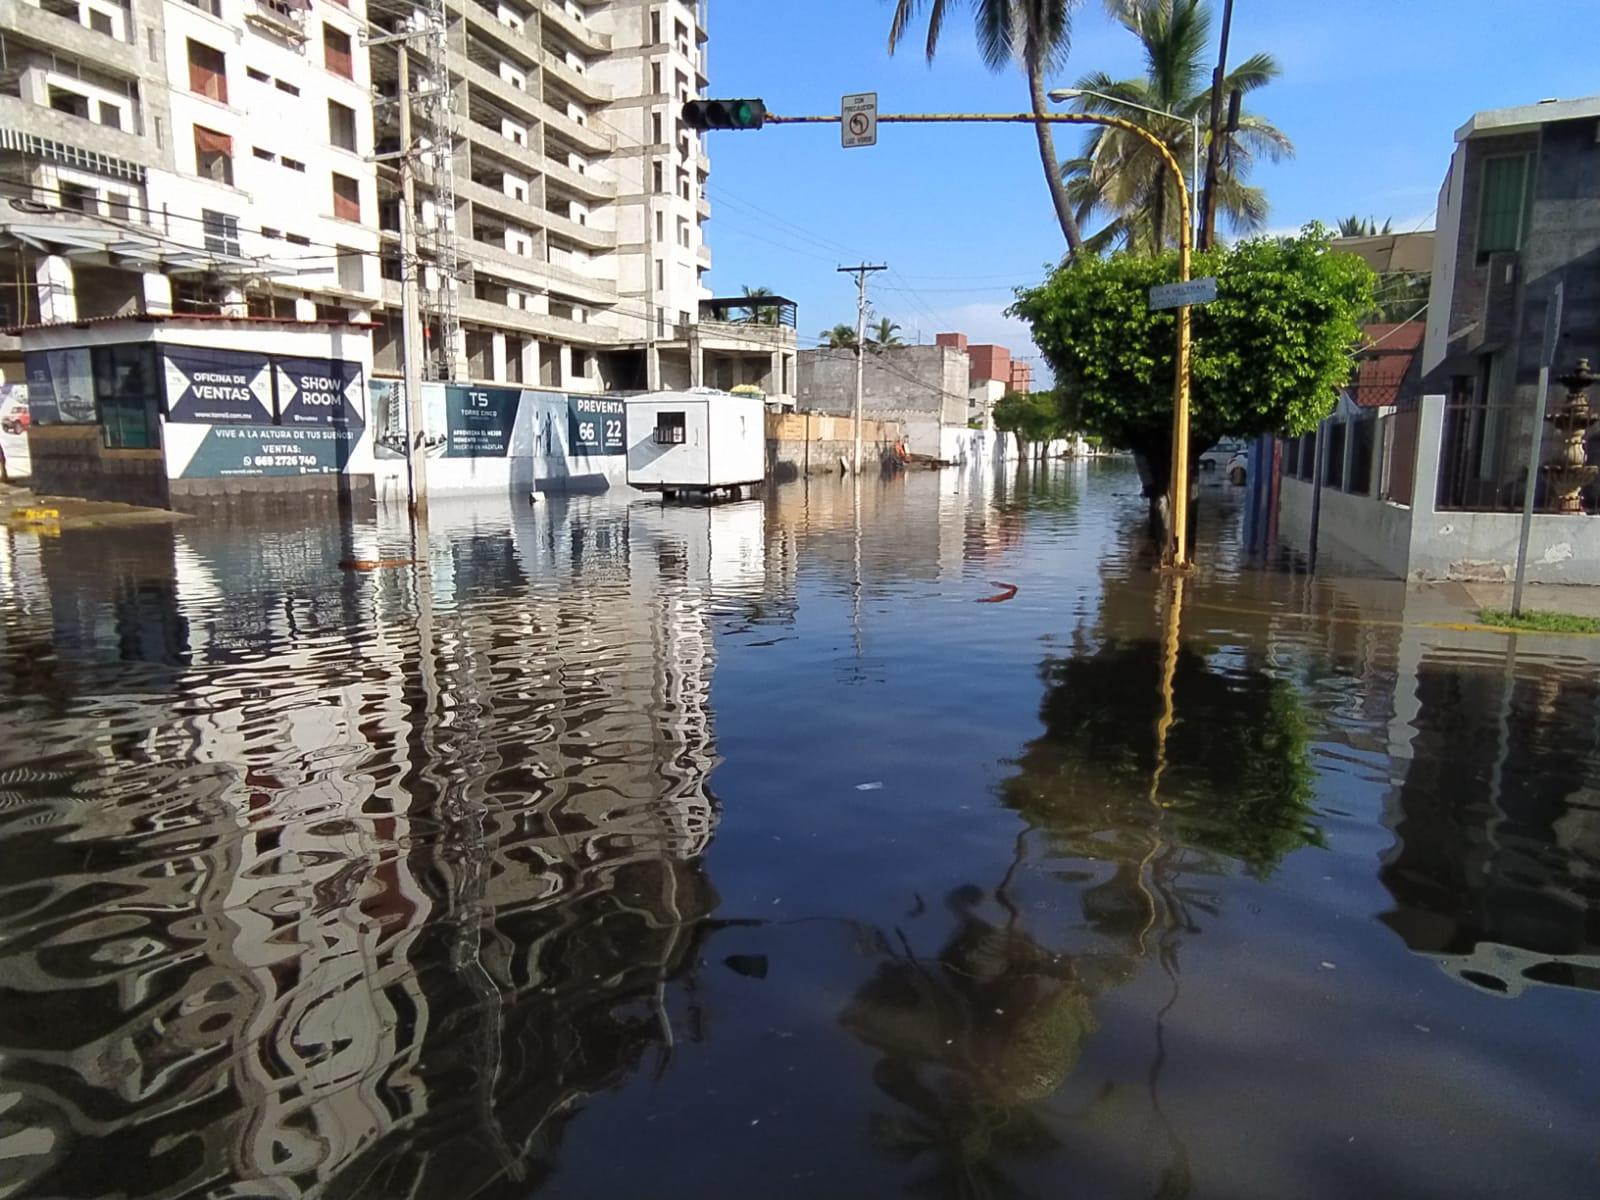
x=1062, y=95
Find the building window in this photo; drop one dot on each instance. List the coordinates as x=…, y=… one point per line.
x=214, y=7
x=77, y=198
x=656, y=132
x=336, y=52
x=346, y=198
x=128, y=396
x=265, y=155
x=110, y=115
x=297, y=239
x=661, y=226
x=100, y=22
x=294, y=164
x=208, y=72
x=1503, y=206
x=69, y=102
x=286, y=87
x=221, y=231
x=655, y=78
x=258, y=76
x=352, y=269
x=671, y=429
x=658, y=178
x=268, y=232
x=341, y=125
x=661, y=274
x=119, y=205
x=213, y=155
x=655, y=27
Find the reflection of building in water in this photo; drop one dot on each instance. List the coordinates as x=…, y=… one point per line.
x=1495, y=870
x=390, y=871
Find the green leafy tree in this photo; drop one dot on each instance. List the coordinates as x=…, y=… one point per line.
x=1269, y=354
x=1033, y=418
x=1035, y=34
x=1120, y=177
x=885, y=333
x=840, y=337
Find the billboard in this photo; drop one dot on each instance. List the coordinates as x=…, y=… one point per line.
x=319, y=392
x=60, y=386
x=595, y=425
x=479, y=421
x=269, y=451
x=217, y=386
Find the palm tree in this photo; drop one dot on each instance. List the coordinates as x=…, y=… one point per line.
x=840, y=337
x=1037, y=34
x=885, y=333
x=1121, y=177
x=1353, y=226
x=763, y=315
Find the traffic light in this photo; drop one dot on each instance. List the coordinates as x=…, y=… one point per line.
x=724, y=114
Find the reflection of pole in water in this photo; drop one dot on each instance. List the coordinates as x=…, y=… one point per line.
x=855, y=587
x=1170, y=641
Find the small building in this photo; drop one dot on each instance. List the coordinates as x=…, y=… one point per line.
x=924, y=388
x=699, y=440
x=190, y=411
x=738, y=341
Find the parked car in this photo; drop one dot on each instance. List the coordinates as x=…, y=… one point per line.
x=16, y=418
x=1230, y=456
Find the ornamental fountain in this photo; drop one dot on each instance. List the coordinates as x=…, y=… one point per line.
x=1568, y=472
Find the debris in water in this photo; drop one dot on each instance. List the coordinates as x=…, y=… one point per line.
x=875, y=786
x=1007, y=590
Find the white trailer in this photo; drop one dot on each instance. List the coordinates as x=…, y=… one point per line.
x=697, y=441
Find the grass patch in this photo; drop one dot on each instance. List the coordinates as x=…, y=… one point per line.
x=1539, y=622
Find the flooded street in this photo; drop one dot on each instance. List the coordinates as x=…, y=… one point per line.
x=615, y=851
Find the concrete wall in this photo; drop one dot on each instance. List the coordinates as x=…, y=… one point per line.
x=922, y=387
x=812, y=443
x=71, y=460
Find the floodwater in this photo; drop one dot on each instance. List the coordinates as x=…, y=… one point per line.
x=621, y=851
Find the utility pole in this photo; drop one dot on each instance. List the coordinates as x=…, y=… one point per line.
x=861, y=272
x=410, y=317
x=1208, y=204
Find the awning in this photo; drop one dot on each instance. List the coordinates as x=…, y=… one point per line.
x=209, y=141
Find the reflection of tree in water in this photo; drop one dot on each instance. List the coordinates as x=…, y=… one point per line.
x=972, y=1039
x=1237, y=779
x=1125, y=807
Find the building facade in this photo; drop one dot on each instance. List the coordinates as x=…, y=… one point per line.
x=243, y=157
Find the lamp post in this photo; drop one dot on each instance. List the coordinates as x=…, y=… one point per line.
x=1062, y=95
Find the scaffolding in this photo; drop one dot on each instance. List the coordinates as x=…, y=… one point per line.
x=429, y=251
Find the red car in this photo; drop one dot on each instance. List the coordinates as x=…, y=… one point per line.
x=16, y=420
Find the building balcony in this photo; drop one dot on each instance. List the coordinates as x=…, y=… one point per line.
x=702, y=255
x=537, y=275
x=540, y=325
x=702, y=208
x=483, y=22
x=59, y=137
x=484, y=196
x=556, y=15
x=519, y=102
x=66, y=37
x=584, y=137
x=582, y=183
x=586, y=236
x=581, y=83
x=477, y=134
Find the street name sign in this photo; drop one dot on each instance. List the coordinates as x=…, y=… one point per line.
x=1177, y=295
x=858, y=120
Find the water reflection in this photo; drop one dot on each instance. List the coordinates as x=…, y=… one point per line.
x=376, y=878
x=614, y=850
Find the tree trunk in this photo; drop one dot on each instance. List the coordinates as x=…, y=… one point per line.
x=1047, y=155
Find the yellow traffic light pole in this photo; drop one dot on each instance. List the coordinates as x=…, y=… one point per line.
x=1178, y=484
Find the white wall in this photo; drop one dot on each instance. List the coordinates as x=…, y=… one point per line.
x=1447, y=233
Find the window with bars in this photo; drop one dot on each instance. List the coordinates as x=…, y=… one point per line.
x=1504, y=202
x=671, y=428
x=221, y=231
x=208, y=72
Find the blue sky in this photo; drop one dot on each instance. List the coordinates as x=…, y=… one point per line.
x=1371, y=93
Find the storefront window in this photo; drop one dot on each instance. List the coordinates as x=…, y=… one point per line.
x=128, y=391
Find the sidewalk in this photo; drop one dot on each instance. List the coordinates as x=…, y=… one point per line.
x=73, y=513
